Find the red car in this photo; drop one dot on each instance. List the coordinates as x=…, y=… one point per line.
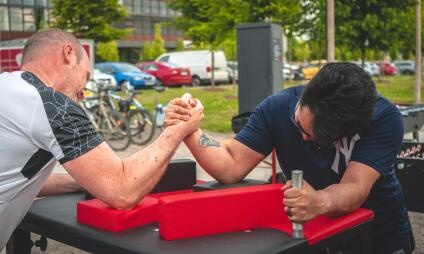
x=167, y=74
x=389, y=69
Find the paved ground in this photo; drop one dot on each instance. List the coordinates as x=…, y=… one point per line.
x=262, y=172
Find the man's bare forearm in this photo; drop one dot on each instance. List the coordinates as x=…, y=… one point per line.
x=213, y=156
x=143, y=169
x=59, y=184
x=342, y=198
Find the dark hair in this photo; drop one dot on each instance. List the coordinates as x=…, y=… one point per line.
x=50, y=38
x=341, y=97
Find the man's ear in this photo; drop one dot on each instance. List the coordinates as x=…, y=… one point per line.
x=68, y=53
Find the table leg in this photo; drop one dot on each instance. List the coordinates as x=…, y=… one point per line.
x=19, y=243
x=366, y=239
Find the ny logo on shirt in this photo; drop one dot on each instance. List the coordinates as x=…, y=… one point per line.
x=344, y=148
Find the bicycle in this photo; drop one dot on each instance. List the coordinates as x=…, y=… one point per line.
x=109, y=123
x=142, y=124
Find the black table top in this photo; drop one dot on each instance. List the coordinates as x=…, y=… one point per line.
x=55, y=218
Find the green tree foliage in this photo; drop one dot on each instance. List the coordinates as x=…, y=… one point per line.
x=107, y=51
x=180, y=45
x=229, y=46
x=377, y=25
x=367, y=26
x=302, y=52
x=214, y=21
x=89, y=19
x=362, y=25
x=148, y=53
x=158, y=42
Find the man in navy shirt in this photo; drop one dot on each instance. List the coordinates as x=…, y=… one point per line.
x=340, y=132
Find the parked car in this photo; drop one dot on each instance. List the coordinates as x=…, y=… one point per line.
x=287, y=72
x=103, y=79
x=388, y=69
x=405, y=67
x=371, y=68
x=310, y=70
x=232, y=68
x=124, y=72
x=97, y=79
x=167, y=74
x=200, y=64
x=298, y=73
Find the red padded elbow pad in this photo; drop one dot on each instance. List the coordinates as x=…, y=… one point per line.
x=323, y=227
x=220, y=211
x=97, y=214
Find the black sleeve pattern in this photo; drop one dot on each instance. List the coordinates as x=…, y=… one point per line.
x=68, y=121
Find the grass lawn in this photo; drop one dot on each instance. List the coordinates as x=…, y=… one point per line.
x=221, y=104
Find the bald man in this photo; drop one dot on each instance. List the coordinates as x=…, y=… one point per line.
x=41, y=123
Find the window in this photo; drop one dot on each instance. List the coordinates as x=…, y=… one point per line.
x=155, y=7
x=145, y=6
x=41, y=3
x=162, y=8
x=164, y=59
x=147, y=27
x=138, y=26
x=28, y=2
x=137, y=7
x=107, y=69
x=29, y=20
x=15, y=2
x=16, y=19
x=150, y=67
x=4, y=19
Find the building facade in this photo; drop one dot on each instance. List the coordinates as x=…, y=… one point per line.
x=143, y=15
x=21, y=18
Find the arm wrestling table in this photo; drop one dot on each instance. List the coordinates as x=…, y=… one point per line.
x=55, y=218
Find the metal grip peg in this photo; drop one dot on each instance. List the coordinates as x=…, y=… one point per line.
x=297, y=178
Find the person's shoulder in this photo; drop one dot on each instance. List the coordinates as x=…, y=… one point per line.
x=285, y=96
x=14, y=87
x=384, y=107
x=288, y=93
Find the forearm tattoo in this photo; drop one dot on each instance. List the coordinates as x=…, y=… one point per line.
x=206, y=141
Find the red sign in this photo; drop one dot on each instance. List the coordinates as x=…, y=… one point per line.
x=11, y=57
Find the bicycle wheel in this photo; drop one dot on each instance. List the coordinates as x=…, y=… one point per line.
x=115, y=131
x=141, y=125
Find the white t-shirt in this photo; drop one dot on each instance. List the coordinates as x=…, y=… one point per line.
x=38, y=126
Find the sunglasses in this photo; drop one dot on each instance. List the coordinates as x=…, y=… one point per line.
x=297, y=124
x=301, y=130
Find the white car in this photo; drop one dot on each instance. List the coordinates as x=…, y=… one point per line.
x=101, y=78
x=98, y=79
x=199, y=62
x=405, y=67
x=371, y=68
x=288, y=72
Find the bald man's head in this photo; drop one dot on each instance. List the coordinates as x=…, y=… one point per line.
x=42, y=42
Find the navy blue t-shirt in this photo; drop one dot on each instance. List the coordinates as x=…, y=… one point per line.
x=270, y=127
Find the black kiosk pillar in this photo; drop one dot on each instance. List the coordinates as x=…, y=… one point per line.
x=260, y=63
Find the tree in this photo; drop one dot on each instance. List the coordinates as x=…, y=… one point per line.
x=158, y=43
x=148, y=52
x=302, y=52
x=180, y=45
x=377, y=25
x=211, y=22
x=108, y=51
x=89, y=19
